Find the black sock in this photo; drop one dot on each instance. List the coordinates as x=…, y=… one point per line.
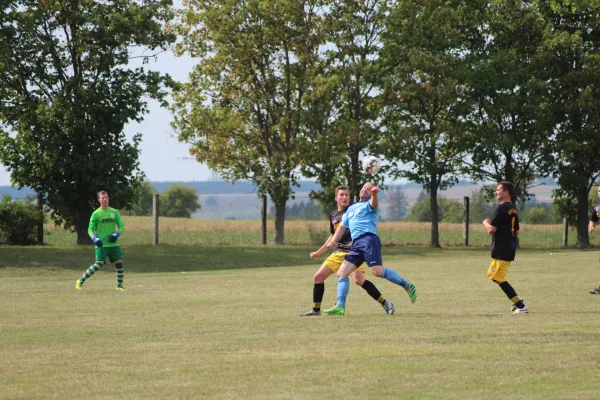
x=373, y=291
x=318, y=292
x=511, y=294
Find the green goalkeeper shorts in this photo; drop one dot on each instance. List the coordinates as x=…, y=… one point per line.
x=113, y=254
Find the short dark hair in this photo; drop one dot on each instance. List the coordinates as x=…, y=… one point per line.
x=102, y=192
x=506, y=185
x=341, y=187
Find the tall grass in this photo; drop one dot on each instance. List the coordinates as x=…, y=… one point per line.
x=313, y=233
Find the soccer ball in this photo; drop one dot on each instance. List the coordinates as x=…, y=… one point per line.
x=371, y=165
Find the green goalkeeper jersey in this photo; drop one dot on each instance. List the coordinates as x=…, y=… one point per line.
x=102, y=224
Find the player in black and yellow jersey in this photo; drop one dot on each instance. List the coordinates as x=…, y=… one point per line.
x=594, y=218
x=504, y=229
x=332, y=264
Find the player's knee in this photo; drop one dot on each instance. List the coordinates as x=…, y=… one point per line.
x=341, y=274
x=358, y=278
x=378, y=272
x=318, y=278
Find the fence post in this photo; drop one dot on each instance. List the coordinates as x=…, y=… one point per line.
x=155, y=209
x=565, y=232
x=40, y=227
x=263, y=219
x=466, y=222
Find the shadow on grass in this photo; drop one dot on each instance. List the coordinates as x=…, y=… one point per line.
x=177, y=258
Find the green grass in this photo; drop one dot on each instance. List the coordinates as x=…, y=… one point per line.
x=221, y=323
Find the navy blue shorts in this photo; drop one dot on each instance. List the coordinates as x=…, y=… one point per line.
x=365, y=248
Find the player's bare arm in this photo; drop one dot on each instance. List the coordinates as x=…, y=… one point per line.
x=323, y=248
x=491, y=229
x=591, y=226
x=374, y=198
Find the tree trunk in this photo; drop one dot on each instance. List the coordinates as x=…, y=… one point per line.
x=279, y=222
x=583, y=239
x=435, y=215
x=81, y=227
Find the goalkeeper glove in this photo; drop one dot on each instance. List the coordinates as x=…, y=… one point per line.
x=113, y=237
x=97, y=241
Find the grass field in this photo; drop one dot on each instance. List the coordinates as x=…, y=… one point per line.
x=221, y=323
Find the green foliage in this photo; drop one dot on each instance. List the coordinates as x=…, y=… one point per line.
x=242, y=108
x=572, y=69
x=453, y=211
x=19, y=220
x=68, y=88
x=179, y=201
x=507, y=95
x=481, y=205
x=449, y=210
x=343, y=101
x=425, y=96
x=537, y=216
x=143, y=199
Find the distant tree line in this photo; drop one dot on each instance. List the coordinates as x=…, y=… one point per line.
x=178, y=201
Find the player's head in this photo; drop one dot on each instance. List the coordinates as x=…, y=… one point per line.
x=103, y=198
x=365, y=192
x=504, y=191
x=342, y=196
x=598, y=190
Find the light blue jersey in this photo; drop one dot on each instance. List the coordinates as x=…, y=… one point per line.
x=361, y=218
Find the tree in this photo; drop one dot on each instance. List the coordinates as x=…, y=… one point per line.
x=537, y=216
x=481, y=205
x=425, y=96
x=179, y=201
x=449, y=210
x=398, y=206
x=66, y=93
x=19, y=220
x=570, y=55
x=508, y=138
x=242, y=108
x=143, y=200
x=344, y=121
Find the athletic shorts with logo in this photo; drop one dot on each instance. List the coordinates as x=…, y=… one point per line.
x=366, y=248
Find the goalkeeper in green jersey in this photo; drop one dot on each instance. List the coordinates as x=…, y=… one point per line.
x=105, y=237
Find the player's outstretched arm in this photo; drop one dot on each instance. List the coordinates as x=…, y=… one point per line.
x=374, y=202
x=323, y=248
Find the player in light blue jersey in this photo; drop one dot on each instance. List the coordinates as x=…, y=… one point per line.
x=361, y=219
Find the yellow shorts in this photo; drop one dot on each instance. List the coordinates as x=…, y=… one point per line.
x=498, y=269
x=334, y=262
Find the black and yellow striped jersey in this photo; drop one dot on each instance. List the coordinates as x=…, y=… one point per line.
x=595, y=217
x=504, y=241
x=335, y=220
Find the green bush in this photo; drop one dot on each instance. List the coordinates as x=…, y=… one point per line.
x=449, y=210
x=537, y=216
x=18, y=221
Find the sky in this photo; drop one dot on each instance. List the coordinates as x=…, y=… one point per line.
x=162, y=157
